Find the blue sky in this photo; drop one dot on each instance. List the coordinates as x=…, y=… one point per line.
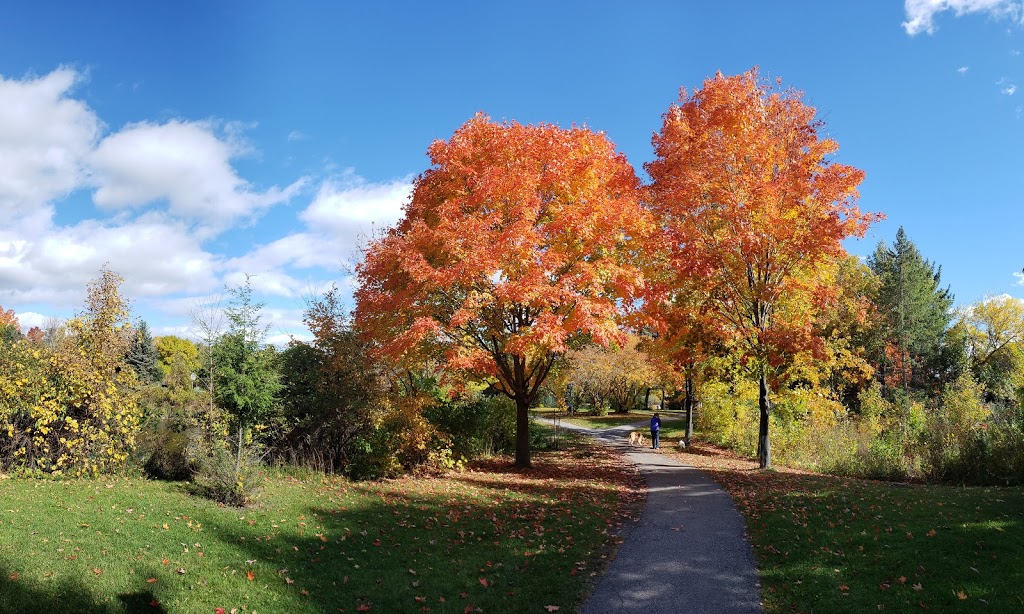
x=190, y=143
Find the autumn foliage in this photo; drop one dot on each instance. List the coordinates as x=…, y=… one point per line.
x=516, y=241
x=72, y=409
x=752, y=209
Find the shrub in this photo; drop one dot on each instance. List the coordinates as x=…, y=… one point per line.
x=478, y=424
x=179, y=429
x=729, y=415
x=950, y=427
x=225, y=477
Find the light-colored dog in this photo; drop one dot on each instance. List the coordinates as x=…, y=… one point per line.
x=636, y=438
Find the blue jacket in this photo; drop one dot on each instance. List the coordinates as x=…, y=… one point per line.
x=655, y=423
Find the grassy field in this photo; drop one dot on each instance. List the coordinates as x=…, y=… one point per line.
x=827, y=544
x=491, y=538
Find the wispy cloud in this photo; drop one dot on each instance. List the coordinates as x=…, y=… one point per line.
x=297, y=135
x=1009, y=90
x=963, y=70
x=921, y=13
x=1020, y=278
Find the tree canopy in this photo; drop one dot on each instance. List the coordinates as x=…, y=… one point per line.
x=515, y=242
x=751, y=206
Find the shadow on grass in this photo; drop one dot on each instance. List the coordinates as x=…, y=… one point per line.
x=19, y=594
x=501, y=545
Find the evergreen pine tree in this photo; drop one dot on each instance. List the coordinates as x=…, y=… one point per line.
x=918, y=312
x=143, y=355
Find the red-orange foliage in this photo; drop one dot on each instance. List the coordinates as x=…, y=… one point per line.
x=35, y=334
x=516, y=241
x=8, y=318
x=751, y=207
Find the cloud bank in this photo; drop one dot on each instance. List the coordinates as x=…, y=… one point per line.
x=161, y=203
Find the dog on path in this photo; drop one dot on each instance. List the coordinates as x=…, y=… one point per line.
x=636, y=438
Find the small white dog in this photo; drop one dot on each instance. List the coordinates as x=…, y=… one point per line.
x=636, y=438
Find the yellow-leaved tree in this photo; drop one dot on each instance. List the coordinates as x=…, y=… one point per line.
x=72, y=409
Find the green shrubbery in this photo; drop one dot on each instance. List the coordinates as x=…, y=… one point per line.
x=956, y=437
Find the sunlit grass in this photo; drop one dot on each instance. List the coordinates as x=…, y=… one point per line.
x=828, y=544
x=494, y=538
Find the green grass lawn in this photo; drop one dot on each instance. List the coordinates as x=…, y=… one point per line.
x=491, y=538
x=828, y=544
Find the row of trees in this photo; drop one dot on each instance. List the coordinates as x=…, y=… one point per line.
x=532, y=258
x=522, y=242
x=99, y=394
x=525, y=246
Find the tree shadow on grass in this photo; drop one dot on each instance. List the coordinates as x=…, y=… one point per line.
x=19, y=594
x=467, y=543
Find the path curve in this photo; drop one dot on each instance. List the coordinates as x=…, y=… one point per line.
x=688, y=552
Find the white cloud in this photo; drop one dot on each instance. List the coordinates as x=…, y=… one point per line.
x=344, y=211
x=296, y=135
x=163, y=191
x=349, y=208
x=963, y=70
x=1009, y=90
x=921, y=13
x=29, y=319
x=154, y=255
x=185, y=164
x=44, y=138
x=1020, y=278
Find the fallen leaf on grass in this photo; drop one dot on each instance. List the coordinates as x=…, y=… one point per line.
x=363, y=608
x=150, y=580
x=961, y=595
x=96, y=571
x=14, y=576
x=483, y=581
x=844, y=587
x=917, y=586
x=551, y=608
x=250, y=575
x=180, y=571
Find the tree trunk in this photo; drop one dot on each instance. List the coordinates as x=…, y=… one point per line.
x=238, y=459
x=764, y=455
x=522, y=431
x=689, y=404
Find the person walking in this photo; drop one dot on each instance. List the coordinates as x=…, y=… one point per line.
x=655, y=430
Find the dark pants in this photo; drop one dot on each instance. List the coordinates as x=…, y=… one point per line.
x=654, y=439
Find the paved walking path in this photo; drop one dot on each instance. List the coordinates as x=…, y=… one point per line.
x=688, y=552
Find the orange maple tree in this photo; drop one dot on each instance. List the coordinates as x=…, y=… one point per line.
x=751, y=206
x=515, y=242
x=9, y=318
